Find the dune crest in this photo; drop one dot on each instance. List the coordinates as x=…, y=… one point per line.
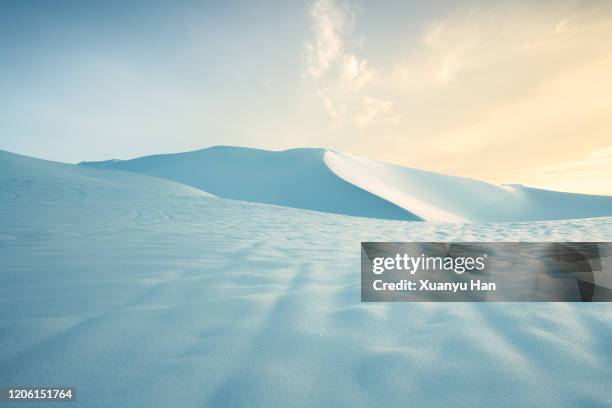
x=341, y=183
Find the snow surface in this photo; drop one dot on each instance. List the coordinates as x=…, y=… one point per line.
x=295, y=178
x=329, y=181
x=145, y=293
x=439, y=197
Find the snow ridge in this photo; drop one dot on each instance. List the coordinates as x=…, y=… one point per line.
x=340, y=183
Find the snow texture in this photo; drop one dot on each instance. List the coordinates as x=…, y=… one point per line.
x=142, y=292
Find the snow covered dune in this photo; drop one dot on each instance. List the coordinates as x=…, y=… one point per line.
x=144, y=293
x=295, y=178
x=329, y=181
x=438, y=197
x=15, y=168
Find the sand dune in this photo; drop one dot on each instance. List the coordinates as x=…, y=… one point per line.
x=329, y=181
x=143, y=292
x=295, y=178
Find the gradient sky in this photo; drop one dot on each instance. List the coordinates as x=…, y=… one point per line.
x=511, y=92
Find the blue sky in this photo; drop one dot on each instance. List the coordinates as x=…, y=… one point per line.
x=89, y=81
x=511, y=92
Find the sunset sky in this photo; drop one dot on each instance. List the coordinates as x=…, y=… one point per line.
x=510, y=92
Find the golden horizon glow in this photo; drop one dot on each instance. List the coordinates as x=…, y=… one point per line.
x=508, y=94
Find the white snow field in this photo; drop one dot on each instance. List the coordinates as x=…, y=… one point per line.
x=142, y=292
x=329, y=181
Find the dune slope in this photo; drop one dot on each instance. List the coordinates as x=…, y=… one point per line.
x=144, y=293
x=438, y=197
x=329, y=181
x=295, y=178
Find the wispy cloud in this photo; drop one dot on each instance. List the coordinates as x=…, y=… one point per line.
x=490, y=91
x=329, y=25
x=340, y=75
x=596, y=159
x=589, y=173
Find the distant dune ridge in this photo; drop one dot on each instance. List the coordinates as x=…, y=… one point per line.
x=334, y=182
x=297, y=178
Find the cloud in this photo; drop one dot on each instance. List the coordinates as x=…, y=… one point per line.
x=597, y=158
x=589, y=173
x=340, y=76
x=329, y=23
x=491, y=91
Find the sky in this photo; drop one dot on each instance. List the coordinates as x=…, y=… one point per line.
x=506, y=92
